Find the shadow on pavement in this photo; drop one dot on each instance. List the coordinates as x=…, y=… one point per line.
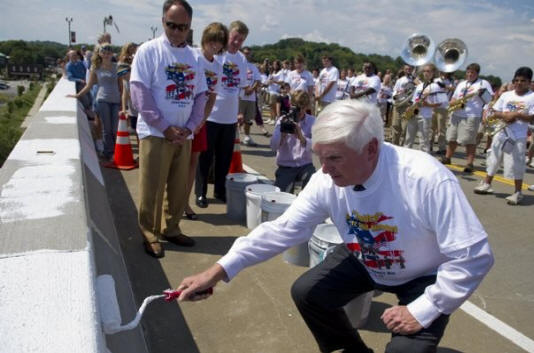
x=163, y=323
x=205, y=245
x=261, y=153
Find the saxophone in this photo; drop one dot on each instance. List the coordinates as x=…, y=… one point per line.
x=413, y=110
x=460, y=103
x=493, y=124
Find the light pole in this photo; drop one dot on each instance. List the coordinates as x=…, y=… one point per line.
x=107, y=21
x=69, y=20
x=153, y=29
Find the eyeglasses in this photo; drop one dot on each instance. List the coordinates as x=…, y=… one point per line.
x=106, y=48
x=182, y=27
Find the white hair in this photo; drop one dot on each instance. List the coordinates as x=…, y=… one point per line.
x=350, y=121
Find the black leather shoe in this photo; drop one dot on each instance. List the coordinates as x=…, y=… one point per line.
x=154, y=249
x=469, y=168
x=202, y=201
x=180, y=240
x=221, y=198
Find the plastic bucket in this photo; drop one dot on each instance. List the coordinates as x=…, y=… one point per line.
x=273, y=204
x=324, y=239
x=253, y=195
x=235, y=194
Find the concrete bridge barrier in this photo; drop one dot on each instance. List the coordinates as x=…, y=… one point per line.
x=56, y=235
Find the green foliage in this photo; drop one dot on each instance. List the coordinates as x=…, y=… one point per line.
x=12, y=115
x=344, y=57
x=20, y=90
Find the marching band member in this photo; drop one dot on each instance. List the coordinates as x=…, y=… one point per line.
x=516, y=108
x=367, y=84
x=403, y=84
x=327, y=84
x=463, y=124
x=343, y=85
x=301, y=79
x=425, y=98
x=439, y=118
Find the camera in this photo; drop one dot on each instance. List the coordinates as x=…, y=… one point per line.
x=288, y=122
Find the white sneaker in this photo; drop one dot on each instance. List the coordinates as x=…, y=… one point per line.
x=483, y=188
x=515, y=198
x=531, y=187
x=247, y=141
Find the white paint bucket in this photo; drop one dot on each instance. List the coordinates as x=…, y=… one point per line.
x=324, y=240
x=273, y=204
x=235, y=194
x=253, y=193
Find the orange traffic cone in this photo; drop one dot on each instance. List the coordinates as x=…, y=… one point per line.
x=236, y=166
x=123, y=157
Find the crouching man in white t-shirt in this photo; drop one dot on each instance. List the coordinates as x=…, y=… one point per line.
x=407, y=229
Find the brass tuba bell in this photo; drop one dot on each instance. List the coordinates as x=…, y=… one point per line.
x=418, y=50
x=450, y=55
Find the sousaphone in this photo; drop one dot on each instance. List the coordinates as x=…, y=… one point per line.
x=450, y=55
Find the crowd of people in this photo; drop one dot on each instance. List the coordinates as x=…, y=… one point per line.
x=187, y=104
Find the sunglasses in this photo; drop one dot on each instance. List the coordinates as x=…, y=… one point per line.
x=106, y=48
x=182, y=27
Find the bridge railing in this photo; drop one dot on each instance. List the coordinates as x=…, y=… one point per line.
x=56, y=235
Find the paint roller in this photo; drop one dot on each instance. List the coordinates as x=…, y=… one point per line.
x=109, y=307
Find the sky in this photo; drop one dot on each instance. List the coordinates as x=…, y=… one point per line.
x=499, y=34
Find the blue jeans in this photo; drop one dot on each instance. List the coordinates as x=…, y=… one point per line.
x=109, y=114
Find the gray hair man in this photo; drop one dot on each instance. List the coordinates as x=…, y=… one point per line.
x=407, y=229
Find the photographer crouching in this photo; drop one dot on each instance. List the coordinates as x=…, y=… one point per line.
x=292, y=142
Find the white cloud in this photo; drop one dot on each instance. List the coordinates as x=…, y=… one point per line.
x=500, y=37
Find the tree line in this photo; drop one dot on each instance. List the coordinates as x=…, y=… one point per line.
x=45, y=52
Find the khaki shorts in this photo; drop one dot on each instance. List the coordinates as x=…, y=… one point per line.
x=463, y=130
x=248, y=109
x=273, y=98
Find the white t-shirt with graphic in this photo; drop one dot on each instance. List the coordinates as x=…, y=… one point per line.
x=363, y=82
x=342, y=91
x=174, y=77
x=234, y=76
x=432, y=91
x=274, y=88
x=443, y=95
x=253, y=75
x=512, y=102
x=410, y=220
x=474, y=106
x=212, y=72
x=400, y=85
x=300, y=81
x=385, y=94
x=327, y=75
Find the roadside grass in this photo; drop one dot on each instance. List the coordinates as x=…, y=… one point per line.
x=12, y=114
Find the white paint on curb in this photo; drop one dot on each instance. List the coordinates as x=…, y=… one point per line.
x=48, y=305
x=37, y=192
x=45, y=185
x=46, y=151
x=61, y=120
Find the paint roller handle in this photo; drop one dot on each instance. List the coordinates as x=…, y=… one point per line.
x=171, y=294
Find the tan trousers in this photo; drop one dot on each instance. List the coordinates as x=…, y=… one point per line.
x=163, y=166
x=398, y=126
x=439, y=127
